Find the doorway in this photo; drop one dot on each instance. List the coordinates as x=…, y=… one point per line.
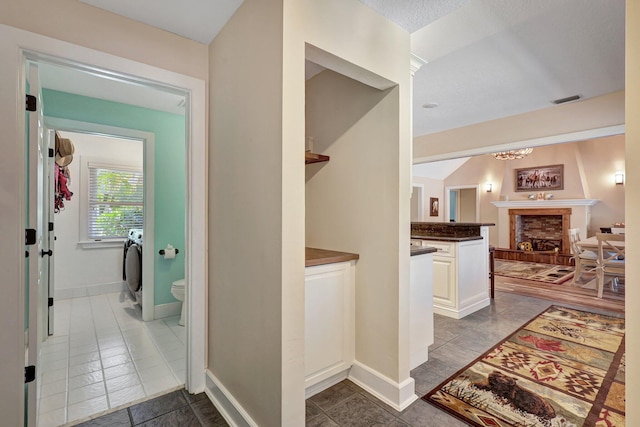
x=14, y=169
x=462, y=203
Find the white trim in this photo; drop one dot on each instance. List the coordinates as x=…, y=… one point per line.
x=101, y=244
x=169, y=309
x=91, y=290
x=233, y=413
x=148, y=143
x=459, y=314
x=536, y=142
x=334, y=379
x=397, y=395
x=544, y=203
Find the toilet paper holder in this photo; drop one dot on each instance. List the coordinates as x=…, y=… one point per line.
x=161, y=251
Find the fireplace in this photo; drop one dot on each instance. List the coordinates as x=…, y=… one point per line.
x=546, y=229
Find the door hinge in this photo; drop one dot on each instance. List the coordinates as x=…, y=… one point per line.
x=26, y=254
x=32, y=103
x=30, y=236
x=50, y=302
x=29, y=373
x=50, y=226
x=51, y=153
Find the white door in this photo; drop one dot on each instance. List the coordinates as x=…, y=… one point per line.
x=37, y=287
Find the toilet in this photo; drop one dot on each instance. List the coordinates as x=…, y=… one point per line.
x=177, y=290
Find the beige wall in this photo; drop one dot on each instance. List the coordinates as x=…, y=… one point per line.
x=588, y=171
x=479, y=170
x=467, y=199
x=245, y=210
x=348, y=203
x=256, y=300
x=432, y=188
x=88, y=26
x=632, y=210
x=601, y=158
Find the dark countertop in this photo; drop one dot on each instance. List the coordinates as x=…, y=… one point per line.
x=314, y=256
x=458, y=224
x=448, y=238
x=420, y=250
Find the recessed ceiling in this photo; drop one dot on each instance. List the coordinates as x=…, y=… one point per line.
x=198, y=20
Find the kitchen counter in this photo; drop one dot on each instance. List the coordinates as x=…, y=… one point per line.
x=314, y=256
x=447, y=238
x=439, y=230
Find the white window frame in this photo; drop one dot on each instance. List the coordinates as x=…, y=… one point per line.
x=85, y=163
x=116, y=168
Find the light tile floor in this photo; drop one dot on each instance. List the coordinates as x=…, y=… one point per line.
x=103, y=356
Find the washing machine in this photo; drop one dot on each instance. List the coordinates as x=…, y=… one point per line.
x=132, y=263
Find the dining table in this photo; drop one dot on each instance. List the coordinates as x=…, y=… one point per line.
x=591, y=244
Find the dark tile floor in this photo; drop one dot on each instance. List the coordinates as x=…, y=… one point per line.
x=457, y=343
x=178, y=408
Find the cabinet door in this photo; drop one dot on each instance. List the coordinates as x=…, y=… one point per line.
x=329, y=321
x=444, y=282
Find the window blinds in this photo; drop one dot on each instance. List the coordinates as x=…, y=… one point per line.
x=115, y=201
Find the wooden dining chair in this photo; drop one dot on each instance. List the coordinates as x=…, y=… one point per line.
x=584, y=260
x=610, y=258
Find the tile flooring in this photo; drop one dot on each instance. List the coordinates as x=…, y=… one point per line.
x=103, y=356
x=457, y=343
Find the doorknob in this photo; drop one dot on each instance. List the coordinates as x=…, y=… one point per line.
x=43, y=253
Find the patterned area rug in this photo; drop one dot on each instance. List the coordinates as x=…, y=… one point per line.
x=533, y=271
x=563, y=368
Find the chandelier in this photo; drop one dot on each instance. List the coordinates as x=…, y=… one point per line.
x=512, y=154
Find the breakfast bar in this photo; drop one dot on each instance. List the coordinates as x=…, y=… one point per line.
x=460, y=266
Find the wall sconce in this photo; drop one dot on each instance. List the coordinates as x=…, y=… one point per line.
x=619, y=178
x=487, y=187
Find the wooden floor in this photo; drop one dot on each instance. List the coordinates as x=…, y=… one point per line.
x=584, y=294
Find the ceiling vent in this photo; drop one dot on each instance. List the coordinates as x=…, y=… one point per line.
x=567, y=99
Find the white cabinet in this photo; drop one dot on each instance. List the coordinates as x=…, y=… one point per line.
x=420, y=309
x=460, y=277
x=329, y=324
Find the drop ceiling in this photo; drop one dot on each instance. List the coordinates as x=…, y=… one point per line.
x=487, y=59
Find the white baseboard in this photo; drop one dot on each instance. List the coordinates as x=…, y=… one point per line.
x=90, y=290
x=465, y=311
x=167, y=310
x=397, y=395
x=233, y=413
x=316, y=388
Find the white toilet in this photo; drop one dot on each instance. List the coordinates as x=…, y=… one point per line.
x=177, y=290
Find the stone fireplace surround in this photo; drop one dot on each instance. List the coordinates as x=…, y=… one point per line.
x=545, y=228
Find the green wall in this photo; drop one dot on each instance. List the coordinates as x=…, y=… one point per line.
x=169, y=163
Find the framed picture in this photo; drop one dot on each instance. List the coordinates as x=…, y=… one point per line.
x=434, y=206
x=540, y=178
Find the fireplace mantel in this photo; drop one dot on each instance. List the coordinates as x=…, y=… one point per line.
x=544, y=203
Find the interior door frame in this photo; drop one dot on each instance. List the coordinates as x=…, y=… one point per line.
x=148, y=142
x=420, y=194
x=16, y=46
x=447, y=200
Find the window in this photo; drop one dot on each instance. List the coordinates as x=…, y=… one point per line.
x=115, y=201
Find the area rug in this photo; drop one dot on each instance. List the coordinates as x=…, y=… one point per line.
x=533, y=271
x=563, y=368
